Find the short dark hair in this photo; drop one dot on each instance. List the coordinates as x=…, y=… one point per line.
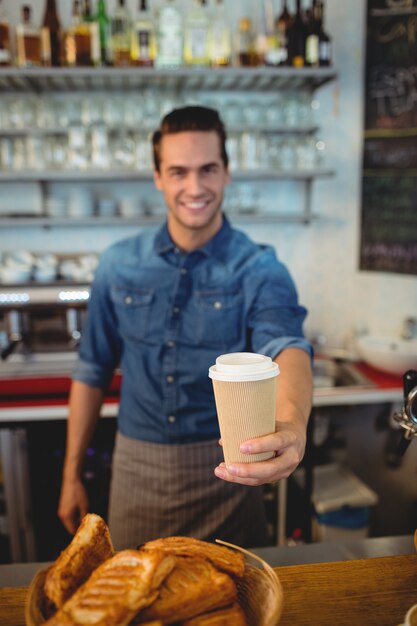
x=187, y=118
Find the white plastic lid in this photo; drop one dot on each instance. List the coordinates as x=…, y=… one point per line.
x=243, y=366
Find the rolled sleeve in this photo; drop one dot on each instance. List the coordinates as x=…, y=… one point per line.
x=100, y=346
x=275, y=318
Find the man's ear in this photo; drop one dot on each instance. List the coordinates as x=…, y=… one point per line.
x=157, y=180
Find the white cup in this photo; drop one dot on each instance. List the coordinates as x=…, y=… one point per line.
x=244, y=386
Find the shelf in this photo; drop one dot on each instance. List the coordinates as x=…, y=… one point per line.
x=41, y=80
x=145, y=176
x=64, y=130
x=143, y=220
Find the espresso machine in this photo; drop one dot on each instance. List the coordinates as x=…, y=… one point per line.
x=40, y=326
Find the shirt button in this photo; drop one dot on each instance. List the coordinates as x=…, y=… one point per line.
x=172, y=419
x=176, y=310
x=128, y=300
x=218, y=305
x=184, y=271
x=171, y=344
x=170, y=379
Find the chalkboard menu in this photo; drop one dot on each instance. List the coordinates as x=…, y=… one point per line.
x=389, y=177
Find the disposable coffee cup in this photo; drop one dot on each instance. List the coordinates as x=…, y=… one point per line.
x=244, y=386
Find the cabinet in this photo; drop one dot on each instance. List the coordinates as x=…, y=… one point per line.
x=265, y=143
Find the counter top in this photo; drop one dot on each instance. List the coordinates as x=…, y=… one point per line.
x=41, y=398
x=366, y=592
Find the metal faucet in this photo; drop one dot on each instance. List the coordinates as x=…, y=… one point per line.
x=409, y=330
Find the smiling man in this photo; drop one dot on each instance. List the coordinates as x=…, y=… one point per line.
x=164, y=304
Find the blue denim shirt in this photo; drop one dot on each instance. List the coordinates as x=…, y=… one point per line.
x=164, y=316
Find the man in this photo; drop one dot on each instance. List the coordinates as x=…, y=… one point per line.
x=164, y=304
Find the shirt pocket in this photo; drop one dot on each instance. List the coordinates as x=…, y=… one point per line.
x=219, y=315
x=133, y=309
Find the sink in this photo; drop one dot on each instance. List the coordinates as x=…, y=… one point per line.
x=388, y=354
x=335, y=373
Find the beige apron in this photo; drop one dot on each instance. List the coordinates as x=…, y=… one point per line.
x=159, y=490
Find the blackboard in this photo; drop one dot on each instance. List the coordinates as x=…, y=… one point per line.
x=389, y=173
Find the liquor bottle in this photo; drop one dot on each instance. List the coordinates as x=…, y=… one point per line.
x=312, y=36
x=5, y=42
x=297, y=39
x=121, y=30
x=28, y=40
x=51, y=35
x=103, y=22
x=245, y=44
x=282, y=28
x=78, y=40
x=325, y=41
x=266, y=40
x=90, y=20
x=196, y=35
x=220, y=37
x=142, y=51
x=169, y=36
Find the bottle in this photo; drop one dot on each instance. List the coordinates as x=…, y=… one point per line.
x=121, y=28
x=28, y=40
x=220, y=37
x=51, y=38
x=169, y=36
x=282, y=28
x=78, y=40
x=103, y=22
x=297, y=38
x=266, y=41
x=312, y=36
x=5, y=42
x=196, y=35
x=142, y=50
x=245, y=45
x=92, y=24
x=325, y=41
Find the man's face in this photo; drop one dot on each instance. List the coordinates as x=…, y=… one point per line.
x=192, y=178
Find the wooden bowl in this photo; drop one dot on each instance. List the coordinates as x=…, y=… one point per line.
x=259, y=591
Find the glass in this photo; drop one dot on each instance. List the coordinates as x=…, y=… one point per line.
x=122, y=146
x=100, y=157
x=143, y=152
x=78, y=147
x=46, y=112
x=6, y=153
x=249, y=151
x=233, y=150
x=19, y=154
x=34, y=152
x=288, y=154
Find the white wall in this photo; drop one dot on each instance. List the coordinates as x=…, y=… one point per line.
x=323, y=256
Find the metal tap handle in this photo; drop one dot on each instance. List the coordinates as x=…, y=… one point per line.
x=408, y=416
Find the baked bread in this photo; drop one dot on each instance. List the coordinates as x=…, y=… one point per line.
x=90, y=546
x=230, y=616
x=194, y=586
x=225, y=559
x=116, y=590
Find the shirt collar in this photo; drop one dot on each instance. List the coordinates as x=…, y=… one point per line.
x=214, y=247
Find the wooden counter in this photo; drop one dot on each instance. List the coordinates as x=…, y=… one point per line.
x=369, y=592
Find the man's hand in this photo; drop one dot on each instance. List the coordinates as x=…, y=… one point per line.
x=288, y=444
x=73, y=504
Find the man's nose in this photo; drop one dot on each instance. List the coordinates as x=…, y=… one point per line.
x=194, y=186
